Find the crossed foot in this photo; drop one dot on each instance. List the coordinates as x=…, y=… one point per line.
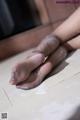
x=31, y=72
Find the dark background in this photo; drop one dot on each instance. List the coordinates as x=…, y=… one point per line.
x=17, y=16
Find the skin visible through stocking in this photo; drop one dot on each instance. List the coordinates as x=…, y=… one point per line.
x=50, y=47
x=37, y=76
x=22, y=70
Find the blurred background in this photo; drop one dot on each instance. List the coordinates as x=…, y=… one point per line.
x=20, y=15
x=24, y=23
x=17, y=16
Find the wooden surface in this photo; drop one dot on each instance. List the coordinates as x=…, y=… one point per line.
x=55, y=99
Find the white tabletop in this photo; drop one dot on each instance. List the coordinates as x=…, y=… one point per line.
x=54, y=99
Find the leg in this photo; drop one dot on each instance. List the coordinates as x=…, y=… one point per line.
x=73, y=44
x=65, y=32
x=37, y=76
